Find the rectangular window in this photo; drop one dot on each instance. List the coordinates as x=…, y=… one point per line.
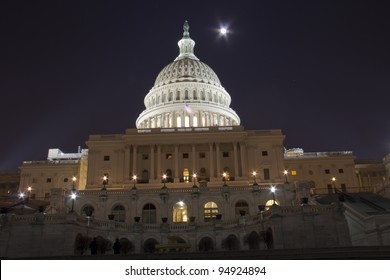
x=330, y=188
x=266, y=174
x=169, y=156
x=293, y=172
x=341, y=170
x=202, y=155
x=327, y=171
x=106, y=158
x=344, y=187
x=185, y=155
x=225, y=154
x=48, y=180
x=264, y=153
x=145, y=156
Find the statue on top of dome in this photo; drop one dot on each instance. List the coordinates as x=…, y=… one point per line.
x=186, y=27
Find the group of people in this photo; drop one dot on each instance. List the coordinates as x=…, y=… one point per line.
x=93, y=246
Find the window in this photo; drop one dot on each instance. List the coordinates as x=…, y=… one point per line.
x=145, y=156
x=149, y=214
x=266, y=174
x=180, y=214
x=341, y=170
x=186, y=175
x=48, y=180
x=65, y=180
x=269, y=203
x=225, y=154
x=344, y=187
x=185, y=155
x=106, y=158
x=293, y=172
x=264, y=153
x=119, y=213
x=327, y=171
x=87, y=210
x=210, y=211
x=202, y=155
x=169, y=156
x=241, y=208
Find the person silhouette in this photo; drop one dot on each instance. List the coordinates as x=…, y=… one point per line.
x=93, y=246
x=117, y=247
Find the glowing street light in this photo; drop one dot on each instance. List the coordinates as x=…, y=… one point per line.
x=254, y=177
x=105, y=182
x=73, y=195
x=285, y=172
x=334, y=184
x=134, y=180
x=164, y=179
x=194, y=178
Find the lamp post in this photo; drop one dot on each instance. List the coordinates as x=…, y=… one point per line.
x=285, y=172
x=273, y=189
x=334, y=184
x=254, y=177
x=224, y=178
x=73, y=195
x=134, y=181
x=105, y=182
x=164, y=179
x=194, y=178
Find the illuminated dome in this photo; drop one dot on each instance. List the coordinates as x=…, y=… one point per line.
x=187, y=93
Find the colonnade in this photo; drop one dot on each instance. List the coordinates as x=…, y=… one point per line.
x=186, y=119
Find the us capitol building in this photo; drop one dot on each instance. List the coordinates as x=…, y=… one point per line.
x=190, y=178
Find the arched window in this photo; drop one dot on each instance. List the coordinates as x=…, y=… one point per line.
x=178, y=121
x=210, y=211
x=186, y=175
x=187, y=121
x=269, y=203
x=180, y=214
x=87, y=210
x=195, y=121
x=119, y=213
x=241, y=208
x=149, y=214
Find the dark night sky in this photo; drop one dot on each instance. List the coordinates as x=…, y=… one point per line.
x=318, y=70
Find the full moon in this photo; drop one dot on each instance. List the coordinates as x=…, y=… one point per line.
x=223, y=30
